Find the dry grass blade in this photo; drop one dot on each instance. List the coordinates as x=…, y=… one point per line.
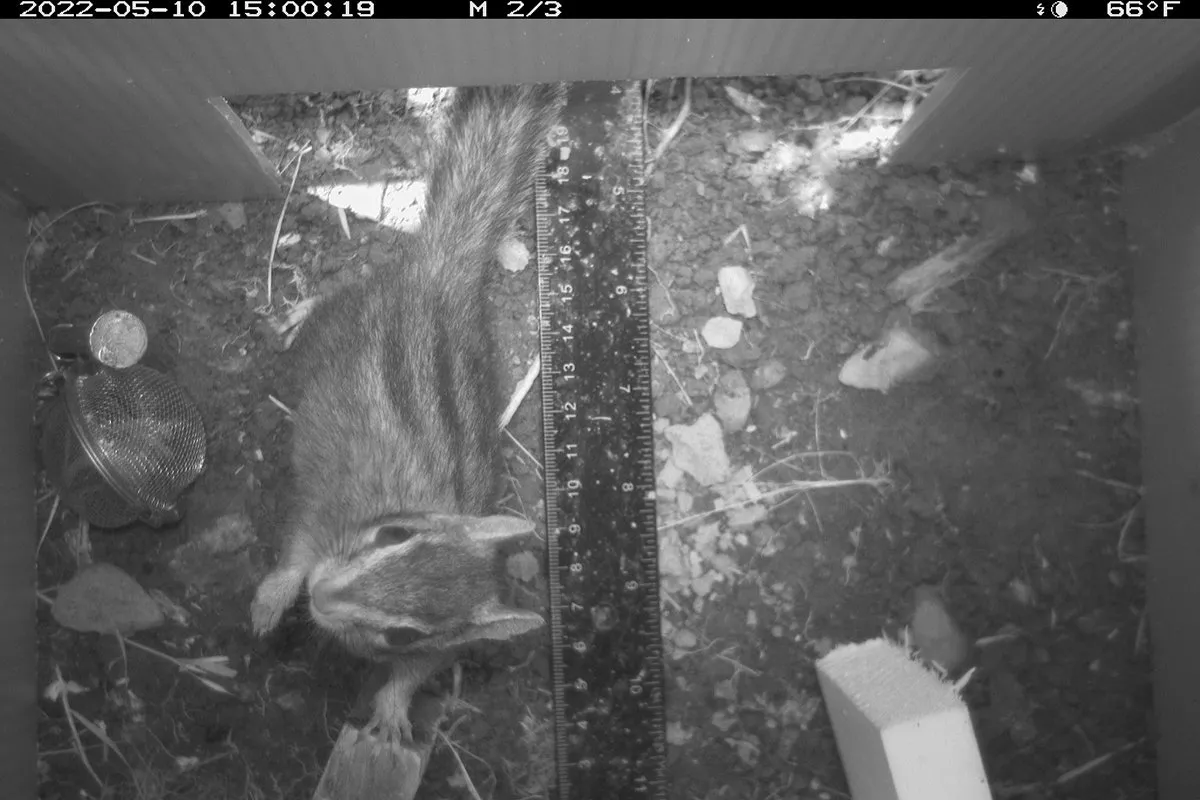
x=49, y=522
x=462, y=768
x=102, y=735
x=196, y=667
x=40, y=235
x=537, y=465
x=784, y=490
x=70, y=716
x=279, y=226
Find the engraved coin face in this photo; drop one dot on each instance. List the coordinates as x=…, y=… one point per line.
x=118, y=339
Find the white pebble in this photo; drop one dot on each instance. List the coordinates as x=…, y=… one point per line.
x=722, y=332
x=737, y=290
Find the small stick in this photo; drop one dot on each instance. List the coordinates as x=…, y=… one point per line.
x=671, y=132
x=667, y=365
x=280, y=405
x=170, y=217
x=461, y=766
x=524, y=450
x=1128, y=487
x=884, y=81
x=49, y=522
x=519, y=393
x=1123, y=554
x=1083, y=769
x=345, y=222
x=740, y=229
x=1058, y=328
x=279, y=222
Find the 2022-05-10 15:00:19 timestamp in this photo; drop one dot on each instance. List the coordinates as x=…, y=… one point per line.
x=196, y=9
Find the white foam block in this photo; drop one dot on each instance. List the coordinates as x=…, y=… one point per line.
x=903, y=733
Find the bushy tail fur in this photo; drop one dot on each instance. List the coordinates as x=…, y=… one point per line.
x=430, y=314
x=482, y=174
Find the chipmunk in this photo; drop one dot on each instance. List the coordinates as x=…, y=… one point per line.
x=396, y=439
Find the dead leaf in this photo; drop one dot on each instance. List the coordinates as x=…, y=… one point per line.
x=102, y=598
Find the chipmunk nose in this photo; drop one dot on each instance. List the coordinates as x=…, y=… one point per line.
x=321, y=597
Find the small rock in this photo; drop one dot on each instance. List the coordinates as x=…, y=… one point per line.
x=677, y=734
x=732, y=401
x=288, y=240
x=293, y=701
x=722, y=333
x=699, y=450
x=737, y=290
x=685, y=639
x=854, y=104
x=668, y=406
x=886, y=246
x=900, y=355
x=753, y=141
x=745, y=101
x=513, y=255
x=1097, y=396
x=702, y=586
x=233, y=214
x=228, y=533
x=745, y=516
x=747, y=749
x=723, y=720
x=672, y=561
x=523, y=566
x=102, y=598
x=670, y=475
x=1022, y=592
x=784, y=158
x=934, y=632
x=768, y=374
x=684, y=502
x=812, y=89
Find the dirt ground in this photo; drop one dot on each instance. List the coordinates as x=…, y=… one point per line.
x=1007, y=479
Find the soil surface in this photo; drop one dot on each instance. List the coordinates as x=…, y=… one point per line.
x=1000, y=490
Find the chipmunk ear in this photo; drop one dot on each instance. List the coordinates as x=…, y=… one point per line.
x=495, y=529
x=498, y=622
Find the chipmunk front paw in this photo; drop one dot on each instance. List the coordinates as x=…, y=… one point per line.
x=275, y=595
x=390, y=728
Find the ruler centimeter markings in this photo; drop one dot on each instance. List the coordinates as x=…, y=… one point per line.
x=602, y=541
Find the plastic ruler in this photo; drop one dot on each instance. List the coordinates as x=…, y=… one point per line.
x=602, y=542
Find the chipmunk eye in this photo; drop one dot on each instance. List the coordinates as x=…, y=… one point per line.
x=402, y=636
x=392, y=534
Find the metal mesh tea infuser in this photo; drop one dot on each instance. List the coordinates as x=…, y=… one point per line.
x=120, y=444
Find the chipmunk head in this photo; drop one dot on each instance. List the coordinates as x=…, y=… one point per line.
x=419, y=582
